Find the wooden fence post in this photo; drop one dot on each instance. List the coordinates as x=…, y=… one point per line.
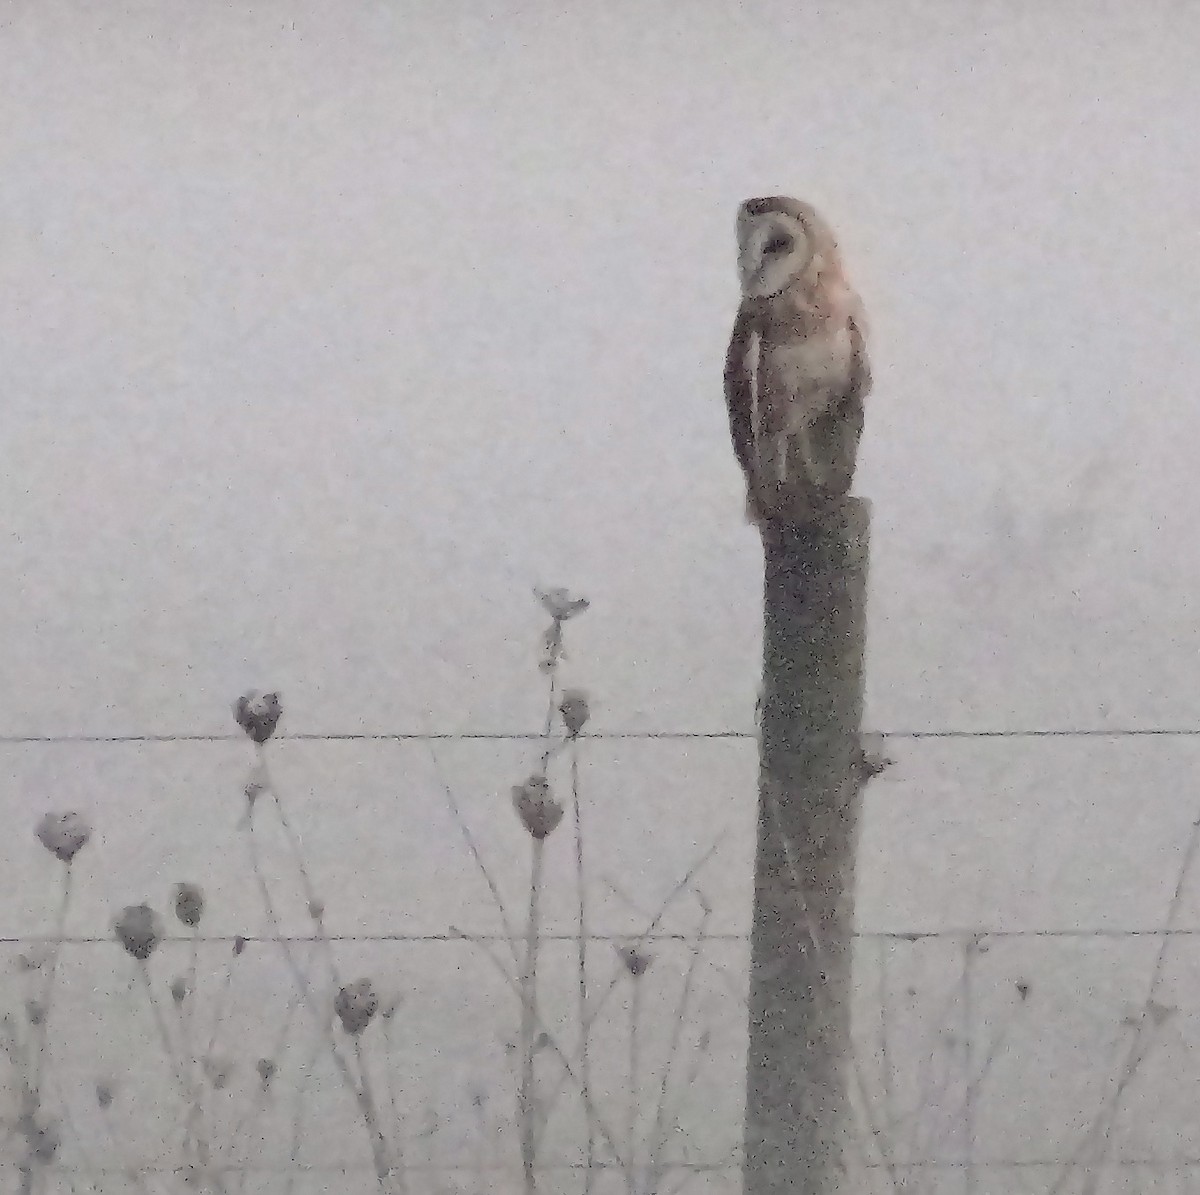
x=810, y=783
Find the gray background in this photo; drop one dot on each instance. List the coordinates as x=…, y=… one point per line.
x=329, y=330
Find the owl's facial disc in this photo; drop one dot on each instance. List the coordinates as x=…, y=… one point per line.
x=774, y=251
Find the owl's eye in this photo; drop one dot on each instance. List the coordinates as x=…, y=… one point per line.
x=777, y=244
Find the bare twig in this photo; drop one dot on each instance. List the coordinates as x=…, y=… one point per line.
x=473, y=848
x=1097, y=1137
x=658, y=1140
x=527, y=1095
x=553, y=1044
x=585, y=1064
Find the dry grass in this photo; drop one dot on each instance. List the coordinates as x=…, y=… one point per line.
x=625, y=1135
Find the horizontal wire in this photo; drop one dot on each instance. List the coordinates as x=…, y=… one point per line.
x=445, y=1168
x=1127, y=732
x=1166, y=1163
x=955, y=935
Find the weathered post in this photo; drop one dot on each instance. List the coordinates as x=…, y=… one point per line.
x=810, y=780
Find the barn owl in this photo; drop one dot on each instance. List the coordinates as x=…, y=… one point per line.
x=797, y=371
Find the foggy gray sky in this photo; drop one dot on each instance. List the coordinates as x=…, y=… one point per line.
x=329, y=329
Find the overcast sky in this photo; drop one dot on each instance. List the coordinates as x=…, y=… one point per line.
x=330, y=329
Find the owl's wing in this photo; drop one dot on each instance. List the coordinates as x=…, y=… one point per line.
x=837, y=432
x=860, y=370
x=739, y=390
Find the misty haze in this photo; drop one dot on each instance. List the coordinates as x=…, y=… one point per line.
x=396, y=783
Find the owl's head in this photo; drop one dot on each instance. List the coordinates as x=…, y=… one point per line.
x=780, y=240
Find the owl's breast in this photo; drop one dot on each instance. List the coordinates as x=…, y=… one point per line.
x=808, y=364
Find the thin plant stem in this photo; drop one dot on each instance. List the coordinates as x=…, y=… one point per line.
x=314, y=905
x=635, y=1070
x=389, y=1047
x=678, y=890
x=48, y=987
x=693, y=1073
x=323, y=1029
x=164, y=1030
x=553, y=692
x=527, y=1099
x=684, y=885
x=659, y=1136
x=294, y=843
x=1098, y=1133
x=976, y=1080
x=188, y=1084
x=473, y=848
x=306, y=1074
x=887, y=1068
x=361, y=1092
x=29, y=1168
x=585, y=1064
x=882, y=1142
x=134, y=1175
x=72, y=1133
x=302, y=981
x=938, y=1096
x=185, y=1014
x=610, y=1137
x=929, y=1090
x=552, y=746
x=250, y=1121
x=970, y=955
x=221, y=1005
x=192, y=972
x=1094, y=1156
x=370, y=1111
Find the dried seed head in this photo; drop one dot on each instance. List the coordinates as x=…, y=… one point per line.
x=355, y=1005
x=180, y=989
x=574, y=710
x=217, y=1071
x=139, y=930
x=64, y=835
x=535, y=805
x=316, y=909
x=258, y=714
x=44, y=1139
x=266, y=1072
x=33, y=960
x=636, y=961
x=239, y=944
x=189, y=904
x=104, y=1094
x=560, y=604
